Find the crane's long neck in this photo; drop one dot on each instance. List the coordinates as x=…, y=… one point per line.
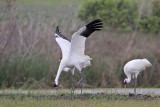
x=61, y=66
x=128, y=79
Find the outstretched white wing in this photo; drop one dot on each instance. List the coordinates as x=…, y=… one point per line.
x=63, y=43
x=79, y=37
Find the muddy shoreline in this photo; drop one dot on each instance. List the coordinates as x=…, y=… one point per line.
x=65, y=96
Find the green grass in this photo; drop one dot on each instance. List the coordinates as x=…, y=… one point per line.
x=76, y=103
x=39, y=21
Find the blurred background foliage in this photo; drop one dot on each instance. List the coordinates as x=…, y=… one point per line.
x=123, y=15
x=29, y=54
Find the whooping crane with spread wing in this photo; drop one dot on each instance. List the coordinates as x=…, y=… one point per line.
x=73, y=56
x=133, y=68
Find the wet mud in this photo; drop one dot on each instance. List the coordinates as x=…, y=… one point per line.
x=98, y=96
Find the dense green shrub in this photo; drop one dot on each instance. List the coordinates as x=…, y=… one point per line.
x=150, y=24
x=121, y=15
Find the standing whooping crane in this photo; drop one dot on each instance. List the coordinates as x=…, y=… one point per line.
x=133, y=68
x=73, y=56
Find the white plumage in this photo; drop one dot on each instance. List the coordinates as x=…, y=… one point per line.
x=133, y=68
x=73, y=53
x=64, y=45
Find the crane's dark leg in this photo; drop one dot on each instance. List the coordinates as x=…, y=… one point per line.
x=73, y=87
x=82, y=76
x=135, y=84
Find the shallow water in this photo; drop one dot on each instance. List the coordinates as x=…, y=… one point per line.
x=145, y=91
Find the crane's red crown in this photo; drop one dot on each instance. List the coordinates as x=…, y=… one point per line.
x=125, y=82
x=55, y=85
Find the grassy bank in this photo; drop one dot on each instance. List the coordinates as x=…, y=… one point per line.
x=77, y=103
x=29, y=54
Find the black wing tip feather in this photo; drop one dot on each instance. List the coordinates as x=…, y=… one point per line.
x=57, y=30
x=91, y=27
x=59, y=33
